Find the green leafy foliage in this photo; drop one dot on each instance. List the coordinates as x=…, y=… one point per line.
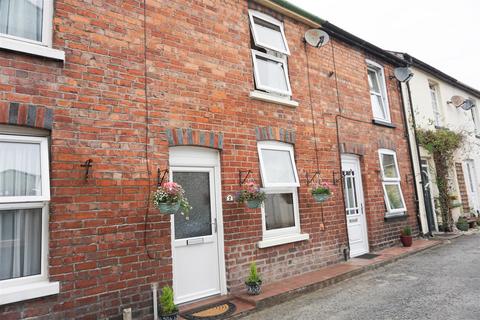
x=442, y=144
x=462, y=224
x=253, y=277
x=407, y=231
x=252, y=192
x=166, y=301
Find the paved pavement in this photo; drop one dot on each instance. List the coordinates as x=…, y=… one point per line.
x=440, y=283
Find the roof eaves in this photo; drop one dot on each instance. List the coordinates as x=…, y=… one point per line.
x=312, y=20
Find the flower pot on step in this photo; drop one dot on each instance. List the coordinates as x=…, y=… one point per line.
x=406, y=240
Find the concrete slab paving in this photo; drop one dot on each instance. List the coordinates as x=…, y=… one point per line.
x=440, y=283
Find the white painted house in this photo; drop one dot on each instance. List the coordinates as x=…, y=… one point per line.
x=434, y=97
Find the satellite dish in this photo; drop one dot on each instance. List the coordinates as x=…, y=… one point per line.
x=316, y=37
x=457, y=101
x=468, y=104
x=403, y=74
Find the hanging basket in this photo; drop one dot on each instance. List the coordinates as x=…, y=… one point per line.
x=169, y=208
x=320, y=197
x=254, y=204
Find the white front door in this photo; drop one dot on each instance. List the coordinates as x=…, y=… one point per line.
x=472, y=185
x=354, y=205
x=198, y=266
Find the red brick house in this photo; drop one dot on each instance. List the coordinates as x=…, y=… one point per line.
x=102, y=101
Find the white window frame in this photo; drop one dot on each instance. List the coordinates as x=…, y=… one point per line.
x=44, y=171
x=433, y=89
x=391, y=181
x=256, y=73
x=40, y=48
x=476, y=117
x=271, y=20
x=34, y=286
x=278, y=146
x=283, y=235
x=380, y=73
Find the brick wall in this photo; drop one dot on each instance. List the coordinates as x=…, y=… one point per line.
x=199, y=76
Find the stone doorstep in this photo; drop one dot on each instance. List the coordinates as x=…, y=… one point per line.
x=282, y=291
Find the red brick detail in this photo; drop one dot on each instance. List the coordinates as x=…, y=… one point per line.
x=15, y=113
x=462, y=186
x=353, y=148
x=190, y=137
x=385, y=143
x=278, y=134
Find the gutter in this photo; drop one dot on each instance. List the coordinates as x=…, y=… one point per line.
x=439, y=74
x=313, y=21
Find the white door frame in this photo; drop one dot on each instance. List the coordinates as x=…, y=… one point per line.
x=198, y=157
x=470, y=176
x=356, y=162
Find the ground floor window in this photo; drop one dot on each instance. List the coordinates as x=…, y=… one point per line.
x=280, y=181
x=392, y=188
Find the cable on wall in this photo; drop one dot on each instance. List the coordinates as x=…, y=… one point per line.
x=147, y=127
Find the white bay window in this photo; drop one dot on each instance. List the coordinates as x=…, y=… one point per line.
x=24, y=196
x=392, y=189
x=281, y=220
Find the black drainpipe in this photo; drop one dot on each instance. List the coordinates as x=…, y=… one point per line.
x=414, y=124
x=407, y=135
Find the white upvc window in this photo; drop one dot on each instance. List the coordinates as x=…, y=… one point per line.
x=269, y=55
x=391, y=182
x=271, y=73
x=24, y=196
x=476, y=118
x=437, y=116
x=280, y=210
x=27, y=26
x=268, y=32
x=378, y=92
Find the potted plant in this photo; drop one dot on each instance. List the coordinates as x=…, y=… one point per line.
x=462, y=224
x=168, y=309
x=253, y=281
x=321, y=192
x=170, y=198
x=406, y=236
x=252, y=195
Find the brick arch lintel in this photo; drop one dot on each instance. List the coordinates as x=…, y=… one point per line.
x=278, y=134
x=26, y=115
x=385, y=143
x=353, y=148
x=194, y=137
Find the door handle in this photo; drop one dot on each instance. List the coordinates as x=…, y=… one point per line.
x=214, y=224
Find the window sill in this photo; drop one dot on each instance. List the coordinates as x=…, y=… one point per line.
x=30, y=48
x=395, y=217
x=28, y=291
x=263, y=96
x=277, y=241
x=383, y=123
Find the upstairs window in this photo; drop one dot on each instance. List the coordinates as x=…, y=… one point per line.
x=378, y=92
x=437, y=118
x=476, y=118
x=392, y=189
x=27, y=20
x=269, y=54
x=268, y=32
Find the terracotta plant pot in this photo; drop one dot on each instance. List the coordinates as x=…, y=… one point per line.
x=169, y=208
x=253, y=289
x=172, y=316
x=254, y=204
x=406, y=240
x=320, y=197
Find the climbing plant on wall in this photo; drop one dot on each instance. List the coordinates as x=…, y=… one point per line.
x=442, y=144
